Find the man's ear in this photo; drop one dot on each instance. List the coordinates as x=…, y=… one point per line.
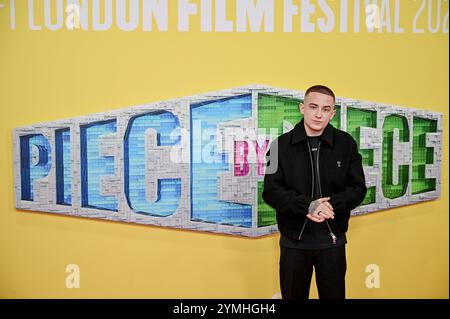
x=333, y=114
x=301, y=107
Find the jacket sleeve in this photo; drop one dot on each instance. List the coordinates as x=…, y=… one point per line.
x=275, y=194
x=355, y=185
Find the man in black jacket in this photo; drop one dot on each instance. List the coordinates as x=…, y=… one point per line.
x=317, y=181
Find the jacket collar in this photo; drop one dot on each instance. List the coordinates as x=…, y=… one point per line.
x=299, y=133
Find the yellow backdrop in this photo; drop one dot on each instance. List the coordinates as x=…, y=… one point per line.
x=48, y=75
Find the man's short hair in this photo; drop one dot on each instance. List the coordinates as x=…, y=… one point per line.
x=321, y=89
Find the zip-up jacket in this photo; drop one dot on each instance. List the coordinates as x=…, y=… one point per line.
x=290, y=188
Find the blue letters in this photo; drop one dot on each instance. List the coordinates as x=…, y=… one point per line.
x=94, y=166
x=205, y=205
x=35, y=162
x=169, y=190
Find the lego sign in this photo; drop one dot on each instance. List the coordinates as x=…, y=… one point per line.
x=199, y=162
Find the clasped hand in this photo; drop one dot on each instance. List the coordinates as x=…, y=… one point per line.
x=320, y=209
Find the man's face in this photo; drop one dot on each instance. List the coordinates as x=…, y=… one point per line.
x=318, y=110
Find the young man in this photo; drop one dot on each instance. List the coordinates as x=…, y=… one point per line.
x=319, y=179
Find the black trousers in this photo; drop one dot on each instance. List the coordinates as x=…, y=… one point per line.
x=296, y=268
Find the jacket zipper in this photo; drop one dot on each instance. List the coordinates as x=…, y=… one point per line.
x=312, y=187
x=333, y=236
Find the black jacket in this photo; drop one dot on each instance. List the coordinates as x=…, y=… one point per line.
x=289, y=190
